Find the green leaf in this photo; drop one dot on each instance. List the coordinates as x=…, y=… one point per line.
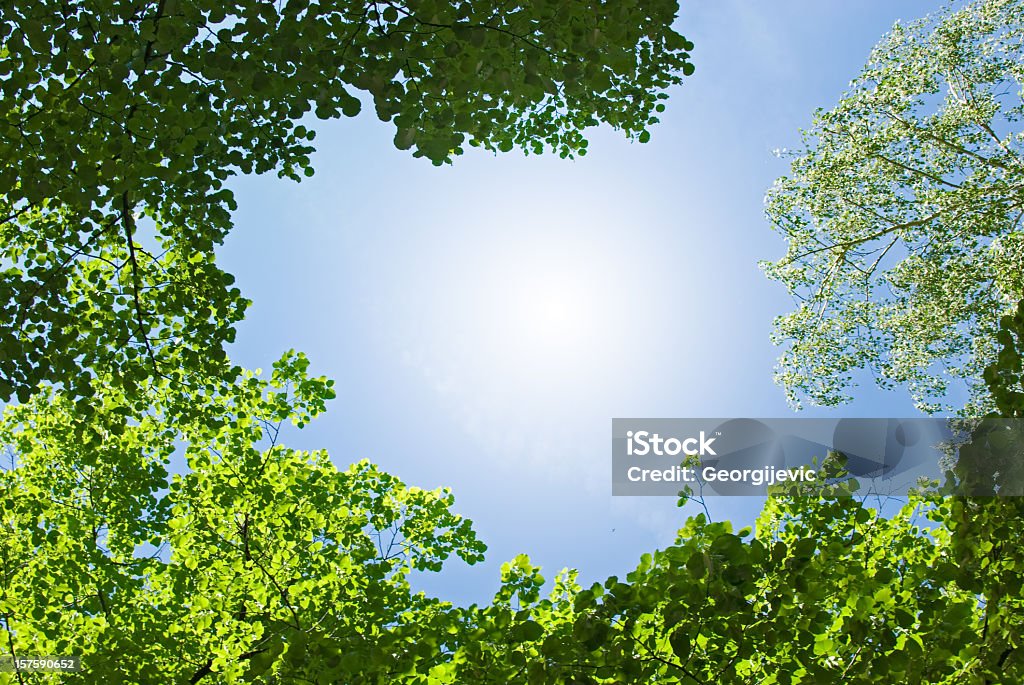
x=527, y=631
x=680, y=641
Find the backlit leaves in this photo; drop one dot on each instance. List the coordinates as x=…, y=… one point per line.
x=169, y=549
x=253, y=560
x=902, y=215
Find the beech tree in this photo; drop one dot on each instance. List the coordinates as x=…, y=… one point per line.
x=253, y=552
x=826, y=591
x=902, y=213
x=121, y=122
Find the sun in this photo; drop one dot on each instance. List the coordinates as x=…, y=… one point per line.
x=548, y=313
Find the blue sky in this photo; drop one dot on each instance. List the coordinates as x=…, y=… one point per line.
x=486, y=321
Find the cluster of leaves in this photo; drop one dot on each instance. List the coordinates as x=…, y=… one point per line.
x=1005, y=375
x=828, y=590
x=984, y=524
x=263, y=564
x=903, y=211
x=258, y=563
x=903, y=216
x=121, y=122
x=255, y=561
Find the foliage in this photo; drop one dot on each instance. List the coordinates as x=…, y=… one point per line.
x=983, y=525
x=255, y=559
x=263, y=564
x=826, y=591
x=902, y=213
x=259, y=563
x=122, y=121
x=1005, y=375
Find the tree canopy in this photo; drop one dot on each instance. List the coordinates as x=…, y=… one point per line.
x=257, y=563
x=123, y=120
x=902, y=213
x=262, y=564
x=154, y=522
x=251, y=548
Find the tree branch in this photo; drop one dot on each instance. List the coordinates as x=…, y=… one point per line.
x=128, y=221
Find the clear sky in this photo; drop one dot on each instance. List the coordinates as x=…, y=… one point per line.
x=485, y=321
